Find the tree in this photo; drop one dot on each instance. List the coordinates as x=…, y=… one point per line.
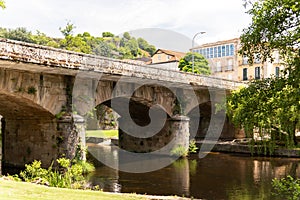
x=109, y=45
x=20, y=34
x=102, y=49
x=133, y=46
x=126, y=35
x=68, y=30
x=200, y=64
x=2, y=4
x=144, y=45
x=271, y=106
x=107, y=34
x=42, y=39
x=76, y=43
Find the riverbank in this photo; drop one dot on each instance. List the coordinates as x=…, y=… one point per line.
x=21, y=190
x=235, y=146
x=241, y=148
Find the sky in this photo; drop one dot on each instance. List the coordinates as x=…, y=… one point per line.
x=169, y=20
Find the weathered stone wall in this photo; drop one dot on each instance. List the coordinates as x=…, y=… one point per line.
x=175, y=129
x=25, y=140
x=20, y=90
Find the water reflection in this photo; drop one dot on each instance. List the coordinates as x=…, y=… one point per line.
x=217, y=176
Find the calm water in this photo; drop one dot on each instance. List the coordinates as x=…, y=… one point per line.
x=217, y=176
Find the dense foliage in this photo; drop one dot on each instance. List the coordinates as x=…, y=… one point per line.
x=271, y=106
x=200, y=64
x=2, y=4
x=69, y=175
x=286, y=188
x=108, y=45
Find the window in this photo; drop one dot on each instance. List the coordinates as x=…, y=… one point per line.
x=223, y=51
x=204, y=52
x=211, y=52
x=277, y=71
x=231, y=52
x=201, y=51
x=257, y=72
x=215, y=52
x=219, y=67
x=257, y=58
x=159, y=57
x=245, y=60
x=276, y=57
x=245, y=74
x=230, y=65
x=219, y=51
x=227, y=50
x=207, y=52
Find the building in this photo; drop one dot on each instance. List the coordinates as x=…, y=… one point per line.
x=222, y=57
x=167, y=59
x=164, y=55
x=259, y=69
x=225, y=61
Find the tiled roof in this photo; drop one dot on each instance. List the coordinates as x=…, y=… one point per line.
x=178, y=55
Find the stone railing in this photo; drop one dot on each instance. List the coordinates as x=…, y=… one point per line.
x=48, y=56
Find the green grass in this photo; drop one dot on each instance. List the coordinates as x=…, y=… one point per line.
x=21, y=190
x=102, y=133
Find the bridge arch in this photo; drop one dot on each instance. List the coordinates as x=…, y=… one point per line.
x=207, y=123
x=146, y=129
x=29, y=131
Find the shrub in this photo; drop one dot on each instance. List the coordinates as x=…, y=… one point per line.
x=287, y=188
x=193, y=147
x=34, y=172
x=68, y=175
x=180, y=151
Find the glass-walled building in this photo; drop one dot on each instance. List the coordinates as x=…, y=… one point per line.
x=225, y=62
x=222, y=57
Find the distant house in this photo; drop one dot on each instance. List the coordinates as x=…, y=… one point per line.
x=163, y=55
x=163, y=58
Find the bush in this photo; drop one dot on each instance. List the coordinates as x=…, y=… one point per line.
x=179, y=151
x=34, y=172
x=66, y=176
x=287, y=188
x=193, y=147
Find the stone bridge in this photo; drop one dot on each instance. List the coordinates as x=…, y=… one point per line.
x=46, y=92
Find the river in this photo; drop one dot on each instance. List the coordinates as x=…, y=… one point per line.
x=216, y=176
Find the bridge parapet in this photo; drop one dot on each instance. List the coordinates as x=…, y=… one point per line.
x=48, y=56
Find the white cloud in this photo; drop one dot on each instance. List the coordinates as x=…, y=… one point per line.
x=220, y=19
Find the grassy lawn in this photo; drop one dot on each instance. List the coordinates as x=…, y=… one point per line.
x=21, y=190
x=102, y=133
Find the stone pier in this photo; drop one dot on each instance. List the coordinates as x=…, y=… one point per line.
x=175, y=129
x=26, y=140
